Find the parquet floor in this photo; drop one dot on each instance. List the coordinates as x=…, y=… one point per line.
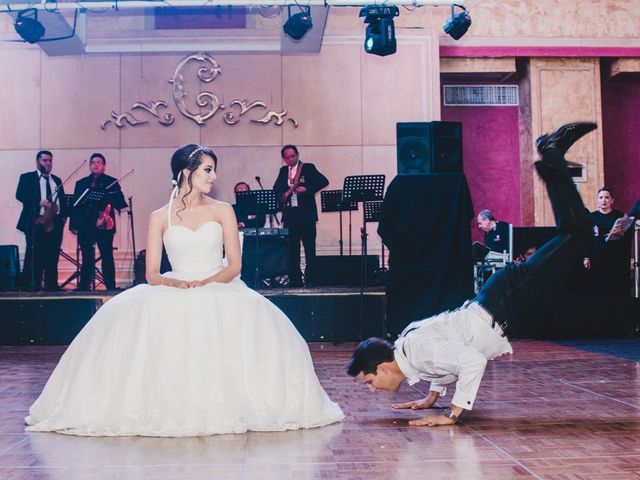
x=549, y=412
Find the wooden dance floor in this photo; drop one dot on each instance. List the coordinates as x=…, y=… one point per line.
x=552, y=411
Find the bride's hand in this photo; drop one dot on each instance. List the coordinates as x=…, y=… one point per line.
x=178, y=284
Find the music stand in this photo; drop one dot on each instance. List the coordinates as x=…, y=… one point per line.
x=373, y=213
x=257, y=202
x=90, y=198
x=331, y=201
x=68, y=203
x=86, y=199
x=363, y=188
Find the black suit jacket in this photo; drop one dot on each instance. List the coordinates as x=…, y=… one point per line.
x=498, y=238
x=312, y=180
x=28, y=193
x=87, y=213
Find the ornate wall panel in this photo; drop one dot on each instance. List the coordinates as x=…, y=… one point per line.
x=346, y=105
x=564, y=91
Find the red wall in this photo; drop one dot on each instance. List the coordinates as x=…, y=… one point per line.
x=490, y=142
x=621, y=124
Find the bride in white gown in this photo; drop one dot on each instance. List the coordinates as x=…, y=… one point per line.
x=194, y=351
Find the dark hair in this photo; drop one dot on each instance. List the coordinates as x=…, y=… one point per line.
x=287, y=147
x=606, y=189
x=43, y=152
x=368, y=355
x=487, y=215
x=98, y=155
x=189, y=157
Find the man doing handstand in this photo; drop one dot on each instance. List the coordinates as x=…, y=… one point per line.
x=456, y=345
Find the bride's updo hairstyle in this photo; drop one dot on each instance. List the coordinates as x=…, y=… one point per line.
x=188, y=157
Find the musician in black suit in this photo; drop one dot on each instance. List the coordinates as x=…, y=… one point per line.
x=296, y=186
x=496, y=233
x=95, y=222
x=42, y=221
x=246, y=220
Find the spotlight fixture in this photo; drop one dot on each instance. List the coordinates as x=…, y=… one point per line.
x=298, y=24
x=28, y=26
x=458, y=24
x=380, y=36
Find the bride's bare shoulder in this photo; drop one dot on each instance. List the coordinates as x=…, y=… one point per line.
x=219, y=209
x=159, y=216
x=217, y=205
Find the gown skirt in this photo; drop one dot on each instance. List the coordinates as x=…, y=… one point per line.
x=162, y=361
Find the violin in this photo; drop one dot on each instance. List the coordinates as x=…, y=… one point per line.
x=47, y=220
x=104, y=221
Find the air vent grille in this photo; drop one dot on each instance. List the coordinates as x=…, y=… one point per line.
x=477, y=95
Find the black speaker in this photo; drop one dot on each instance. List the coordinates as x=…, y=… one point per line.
x=334, y=270
x=9, y=267
x=35, y=321
x=429, y=147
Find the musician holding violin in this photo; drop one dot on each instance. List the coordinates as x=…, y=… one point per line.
x=296, y=186
x=42, y=221
x=94, y=221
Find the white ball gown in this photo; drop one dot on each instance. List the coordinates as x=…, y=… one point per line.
x=162, y=361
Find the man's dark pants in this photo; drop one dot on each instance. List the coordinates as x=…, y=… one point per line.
x=519, y=294
x=301, y=229
x=88, y=237
x=41, y=256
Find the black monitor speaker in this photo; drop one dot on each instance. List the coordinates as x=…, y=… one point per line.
x=429, y=147
x=9, y=267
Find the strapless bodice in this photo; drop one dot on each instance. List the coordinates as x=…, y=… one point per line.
x=194, y=252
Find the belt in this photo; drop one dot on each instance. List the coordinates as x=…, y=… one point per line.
x=504, y=326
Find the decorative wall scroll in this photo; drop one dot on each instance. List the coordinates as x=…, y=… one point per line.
x=207, y=104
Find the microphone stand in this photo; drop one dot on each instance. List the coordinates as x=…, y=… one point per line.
x=270, y=214
x=133, y=232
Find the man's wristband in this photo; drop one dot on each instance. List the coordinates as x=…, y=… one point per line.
x=449, y=414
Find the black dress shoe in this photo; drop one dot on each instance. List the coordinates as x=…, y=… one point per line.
x=564, y=137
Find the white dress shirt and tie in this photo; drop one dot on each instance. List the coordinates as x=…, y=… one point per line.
x=43, y=241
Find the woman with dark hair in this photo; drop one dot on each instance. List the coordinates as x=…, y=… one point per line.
x=194, y=351
x=608, y=261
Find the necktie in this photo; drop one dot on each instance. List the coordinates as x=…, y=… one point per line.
x=46, y=181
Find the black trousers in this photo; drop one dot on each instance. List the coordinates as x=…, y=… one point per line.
x=519, y=294
x=301, y=229
x=88, y=237
x=41, y=257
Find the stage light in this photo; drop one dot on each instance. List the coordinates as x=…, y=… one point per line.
x=458, y=24
x=28, y=26
x=380, y=36
x=298, y=24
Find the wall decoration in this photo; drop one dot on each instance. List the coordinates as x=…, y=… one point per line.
x=208, y=71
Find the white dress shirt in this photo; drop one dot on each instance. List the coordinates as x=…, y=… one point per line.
x=451, y=347
x=43, y=190
x=293, y=199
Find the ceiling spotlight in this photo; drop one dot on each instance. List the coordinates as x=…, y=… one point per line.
x=298, y=24
x=458, y=24
x=28, y=26
x=380, y=37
